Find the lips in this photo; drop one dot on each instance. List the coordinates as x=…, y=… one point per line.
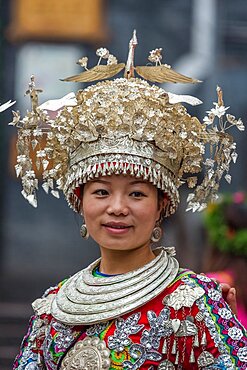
x=116, y=225
x=116, y=228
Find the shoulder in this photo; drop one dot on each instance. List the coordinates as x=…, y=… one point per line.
x=54, y=289
x=189, y=288
x=197, y=299
x=42, y=305
x=193, y=279
x=210, y=286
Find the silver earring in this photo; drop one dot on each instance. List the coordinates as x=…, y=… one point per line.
x=156, y=234
x=84, y=231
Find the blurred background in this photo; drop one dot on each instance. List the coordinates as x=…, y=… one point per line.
x=205, y=39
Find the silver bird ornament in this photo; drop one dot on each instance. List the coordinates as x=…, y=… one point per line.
x=155, y=73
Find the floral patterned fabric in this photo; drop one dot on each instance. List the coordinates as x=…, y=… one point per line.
x=187, y=326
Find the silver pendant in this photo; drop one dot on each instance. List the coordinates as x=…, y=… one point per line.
x=186, y=328
x=204, y=339
x=183, y=296
x=192, y=356
x=199, y=316
x=166, y=365
x=205, y=359
x=89, y=354
x=174, y=347
x=164, y=348
x=175, y=324
x=196, y=341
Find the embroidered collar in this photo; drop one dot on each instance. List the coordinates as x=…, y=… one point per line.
x=97, y=273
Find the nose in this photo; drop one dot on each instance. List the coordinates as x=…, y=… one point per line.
x=118, y=206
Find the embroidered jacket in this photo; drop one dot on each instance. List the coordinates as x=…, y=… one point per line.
x=175, y=330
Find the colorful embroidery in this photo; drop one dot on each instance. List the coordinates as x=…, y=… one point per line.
x=117, y=359
x=228, y=334
x=98, y=328
x=206, y=334
x=160, y=327
x=140, y=354
x=124, y=328
x=29, y=351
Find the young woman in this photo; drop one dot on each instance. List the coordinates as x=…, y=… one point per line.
x=119, y=152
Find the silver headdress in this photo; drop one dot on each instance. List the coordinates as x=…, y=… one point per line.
x=124, y=125
x=6, y=105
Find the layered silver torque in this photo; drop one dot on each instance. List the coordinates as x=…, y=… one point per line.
x=85, y=299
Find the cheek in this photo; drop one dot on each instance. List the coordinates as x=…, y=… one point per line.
x=93, y=211
x=149, y=214
x=89, y=210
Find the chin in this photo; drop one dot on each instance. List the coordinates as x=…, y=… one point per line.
x=123, y=247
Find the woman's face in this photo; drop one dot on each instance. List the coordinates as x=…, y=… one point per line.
x=120, y=211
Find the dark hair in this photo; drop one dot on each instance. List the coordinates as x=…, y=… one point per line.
x=161, y=196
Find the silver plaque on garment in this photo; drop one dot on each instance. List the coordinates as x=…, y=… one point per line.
x=91, y=353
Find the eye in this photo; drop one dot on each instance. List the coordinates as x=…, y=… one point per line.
x=101, y=192
x=137, y=194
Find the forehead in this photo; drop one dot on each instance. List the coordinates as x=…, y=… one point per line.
x=121, y=180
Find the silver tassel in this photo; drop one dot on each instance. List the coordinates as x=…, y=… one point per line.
x=196, y=341
x=39, y=361
x=192, y=356
x=164, y=348
x=103, y=169
x=204, y=339
x=176, y=359
x=174, y=347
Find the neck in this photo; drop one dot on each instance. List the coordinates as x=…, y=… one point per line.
x=115, y=262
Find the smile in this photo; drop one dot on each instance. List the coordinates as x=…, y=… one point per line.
x=116, y=228
x=116, y=225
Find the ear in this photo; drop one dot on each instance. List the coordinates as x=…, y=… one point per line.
x=81, y=200
x=81, y=208
x=162, y=206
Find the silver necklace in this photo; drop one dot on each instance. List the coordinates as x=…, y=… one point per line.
x=85, y=299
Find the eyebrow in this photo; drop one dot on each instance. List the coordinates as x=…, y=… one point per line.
x=100, y=181
x=134, y=182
